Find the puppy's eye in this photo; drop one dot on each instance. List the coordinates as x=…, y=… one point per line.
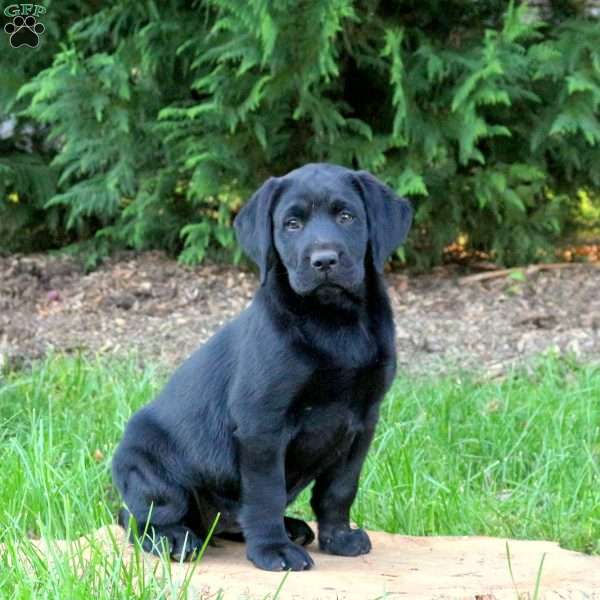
x=293, y=224
x=345, y=217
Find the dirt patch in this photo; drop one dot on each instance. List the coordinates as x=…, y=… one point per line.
x=473, y=568
x=162, y=310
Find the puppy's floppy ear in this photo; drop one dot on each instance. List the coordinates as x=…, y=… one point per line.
x=253, y=226
x=389, y=217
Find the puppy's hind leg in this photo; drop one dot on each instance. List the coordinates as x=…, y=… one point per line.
x=298, y=531
x=159, y=508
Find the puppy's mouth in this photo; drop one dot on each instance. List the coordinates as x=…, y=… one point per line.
x=325, y=288
x=328, y=287
x=328, y=290
x=329, y=283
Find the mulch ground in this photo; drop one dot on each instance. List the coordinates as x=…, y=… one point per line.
x=161, y=310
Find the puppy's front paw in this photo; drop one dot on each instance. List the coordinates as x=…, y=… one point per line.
x=345, y=542
x=280, y=557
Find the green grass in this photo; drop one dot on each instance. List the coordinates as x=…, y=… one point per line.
x=453, y=456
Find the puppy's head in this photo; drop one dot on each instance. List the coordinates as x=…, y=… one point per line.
x=319, y=221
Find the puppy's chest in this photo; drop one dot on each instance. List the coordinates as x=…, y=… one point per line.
x=333, y=407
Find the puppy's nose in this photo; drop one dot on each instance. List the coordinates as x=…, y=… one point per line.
x=324, y=260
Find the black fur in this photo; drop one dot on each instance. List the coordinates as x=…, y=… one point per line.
x=287, y=393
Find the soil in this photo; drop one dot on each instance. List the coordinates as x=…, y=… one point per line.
x=160, y=310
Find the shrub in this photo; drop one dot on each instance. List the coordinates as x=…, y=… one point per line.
x=27, y=180
x=165, y=116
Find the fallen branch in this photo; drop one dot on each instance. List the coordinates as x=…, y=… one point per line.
x=526, y=271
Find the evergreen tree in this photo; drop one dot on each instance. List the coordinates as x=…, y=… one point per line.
x=159, y=119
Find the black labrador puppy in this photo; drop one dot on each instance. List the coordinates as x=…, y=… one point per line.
x=287, y=393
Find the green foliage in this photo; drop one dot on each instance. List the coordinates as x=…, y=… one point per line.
x=163, y=117
x=27, y=180
x=26, y=224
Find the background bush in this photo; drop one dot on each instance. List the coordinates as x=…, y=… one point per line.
x=147, y=124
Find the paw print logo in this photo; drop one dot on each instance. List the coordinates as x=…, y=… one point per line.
x=24, y=31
